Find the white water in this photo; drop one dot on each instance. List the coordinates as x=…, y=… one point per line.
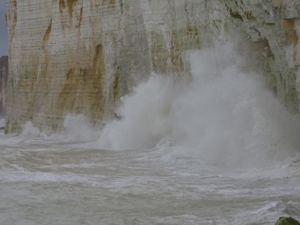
x=223, y=116
x=218, y=149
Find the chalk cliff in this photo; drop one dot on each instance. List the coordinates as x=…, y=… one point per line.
x=72, y=56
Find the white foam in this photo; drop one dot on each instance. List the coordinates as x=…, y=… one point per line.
x=146, y=117
x=289, y=167
x=78, y=127
x=269, y=212
x=226, y=116
x=29, y=130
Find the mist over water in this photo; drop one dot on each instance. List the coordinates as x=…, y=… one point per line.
x=223, y=115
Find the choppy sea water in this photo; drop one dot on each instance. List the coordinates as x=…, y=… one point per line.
x=51, y=181
x=219, y=149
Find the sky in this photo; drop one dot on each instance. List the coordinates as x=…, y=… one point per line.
x=3, y=29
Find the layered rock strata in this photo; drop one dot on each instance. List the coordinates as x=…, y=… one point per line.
x=3, y=84
x=72, y=56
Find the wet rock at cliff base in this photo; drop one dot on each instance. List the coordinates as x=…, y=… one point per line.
x=287, y=221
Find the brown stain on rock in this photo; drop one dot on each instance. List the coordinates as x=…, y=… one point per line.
x=67, y=97
x=15, y=13
x=291, y=35
x=70, y=4
x=46, y=35
x=234, y=13
x=290, y=32
x=176, y=57
x=14, y=17
x=83, y=89
x=80, y=18
x=67, y=3
x=62, y=5
x=248, y=15
x=115, y=86
x=98, y=57
x=109, y=3
x=67, y=7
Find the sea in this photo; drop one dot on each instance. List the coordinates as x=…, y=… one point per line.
x=216, y=149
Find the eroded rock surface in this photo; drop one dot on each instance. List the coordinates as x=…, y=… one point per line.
x=70, y=56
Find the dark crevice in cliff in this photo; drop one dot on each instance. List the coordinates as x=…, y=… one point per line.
x=3, y=84
x=115, y=86
x=80, y=17
x=122, y=6
x=46, y=36
x=233, y=13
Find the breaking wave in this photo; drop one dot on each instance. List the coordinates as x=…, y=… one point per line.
x=224, y=115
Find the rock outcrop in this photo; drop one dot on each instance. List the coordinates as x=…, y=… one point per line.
x=70, y=56
x=276, y=26
x=3, y=83
x=287, y=221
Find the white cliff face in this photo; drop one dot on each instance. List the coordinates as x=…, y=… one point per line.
x=72, y=56
x=276, y=25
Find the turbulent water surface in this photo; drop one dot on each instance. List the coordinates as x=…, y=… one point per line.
x=218, y=149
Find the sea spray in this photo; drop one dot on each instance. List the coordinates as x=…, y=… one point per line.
x=78, y=127
x=226, y=116
x=145, y=116
x=223, y=116
x=29, y=130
